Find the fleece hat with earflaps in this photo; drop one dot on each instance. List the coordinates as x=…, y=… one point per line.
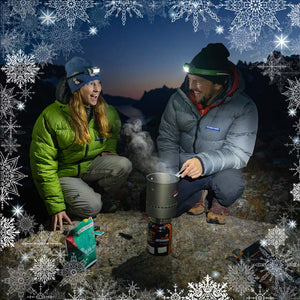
x=80, y=71
x=211, y=63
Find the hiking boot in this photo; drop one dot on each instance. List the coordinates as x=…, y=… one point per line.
x=199, y=207
x=217, y=214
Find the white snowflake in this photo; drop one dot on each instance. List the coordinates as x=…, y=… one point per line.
x=154, y=8
x=254, y=14
x=174, y=294
x=9, y=175
x=43, y=53
x=73, y=272
x=295, y=145
x=97, y=18
x=65, y=41
x=71, y=10
x=295, y=46
x=194, y=8
x=276, y=237
x=77, y=293
x=47, y=17
x=9, y=143
x=26, y=224
x=102, y=289
x=272, y=268
x=7, y=102
x=207, y=289
x=240, y=278
x=291, y=256
x=293, y=93
x=219, y=29
x=23, y=7
x=294, y=14
x=296, y=192
x=281, y=41
x=8, y=232
x=240, y=40
x=284, y=291
x=25, y=94
x=18, y=281
x=42, y=293
x=93, y=30
x=123, y=6
x=20, y=68
x=44, y=269
x=273, y=66
x=11, y=41
x=260, y=295
x=17, y=211
x=297, y=126
x=30, y=29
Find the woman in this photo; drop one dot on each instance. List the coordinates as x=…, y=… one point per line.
x=74, y=146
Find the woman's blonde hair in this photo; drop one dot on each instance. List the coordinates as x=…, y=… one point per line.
x=80, y=120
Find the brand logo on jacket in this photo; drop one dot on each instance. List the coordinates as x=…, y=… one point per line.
x=212, y=128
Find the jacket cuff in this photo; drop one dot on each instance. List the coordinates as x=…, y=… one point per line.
x=203, y=169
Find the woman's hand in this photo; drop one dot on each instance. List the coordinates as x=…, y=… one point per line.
x=58, y=219
x=193, y=168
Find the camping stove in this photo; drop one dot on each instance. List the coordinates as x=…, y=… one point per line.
x=161, y=208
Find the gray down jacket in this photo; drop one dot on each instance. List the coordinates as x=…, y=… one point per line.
x=223, y=138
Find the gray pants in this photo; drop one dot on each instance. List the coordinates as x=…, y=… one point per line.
x=108, y=171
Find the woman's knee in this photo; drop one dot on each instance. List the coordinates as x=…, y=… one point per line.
x=124, y=166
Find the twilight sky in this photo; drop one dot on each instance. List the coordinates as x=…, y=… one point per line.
x=142, y=55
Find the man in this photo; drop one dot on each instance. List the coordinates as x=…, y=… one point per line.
x=208, y=129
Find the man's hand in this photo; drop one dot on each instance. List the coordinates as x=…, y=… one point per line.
x=58, y=219
x=193, y=168
x=108, y=153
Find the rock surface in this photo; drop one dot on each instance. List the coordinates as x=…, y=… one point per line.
x=198, y=249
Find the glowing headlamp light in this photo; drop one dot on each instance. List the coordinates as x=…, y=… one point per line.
x=188, y=68
x=94, y=71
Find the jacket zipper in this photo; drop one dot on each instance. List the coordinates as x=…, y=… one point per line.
x=196, y=136
x=85, y=155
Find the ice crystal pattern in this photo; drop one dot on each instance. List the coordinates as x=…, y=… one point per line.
x=207, y=289
x=276, y=269
x=240, y=278
x=65, y=41
x=295, y=145
x=176, y=294
x=260, y=295
x=8, y=232
x=123, y=7
x=296, y=192
x=23, y=7
x=10, y=176
x=18, y=281
x=43, y=53
x=26, y=224
x=44, y=269
x=293, y=94
x=254, y=14
x=295, y=15
x=240, y=40
x=192, y=8
x=273, y=66
x=71, y=10
x=20, y=68
x=276, y=237
x=7, y=102
x=9, y=143
x=47, y=17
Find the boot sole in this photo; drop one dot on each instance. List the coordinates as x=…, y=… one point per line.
x=213, y=221
x=192, y=214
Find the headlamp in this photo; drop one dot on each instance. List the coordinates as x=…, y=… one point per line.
x=94, y=71
x=188, y=68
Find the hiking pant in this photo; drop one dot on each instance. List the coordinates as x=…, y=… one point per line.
x=225, y=187
x=108, y=171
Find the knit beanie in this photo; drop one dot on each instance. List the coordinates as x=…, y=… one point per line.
x=213, y=57
x=79, y=65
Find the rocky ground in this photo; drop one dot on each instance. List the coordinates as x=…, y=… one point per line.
x=124, y=269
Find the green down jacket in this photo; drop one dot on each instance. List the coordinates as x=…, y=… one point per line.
x=54, y=153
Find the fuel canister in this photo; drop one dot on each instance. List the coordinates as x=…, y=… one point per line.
x=159, y=239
